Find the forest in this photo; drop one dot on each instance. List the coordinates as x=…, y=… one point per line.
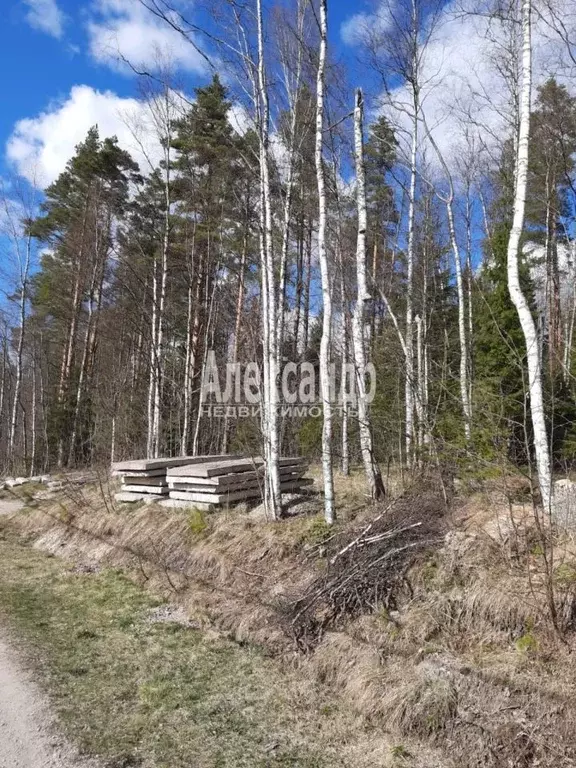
x=290, y=221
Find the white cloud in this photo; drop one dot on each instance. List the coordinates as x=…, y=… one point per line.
x=46, y=16
x=352, y=30
x=240, y=119
x=462, y=77
x=39, y=147
x=123, y=31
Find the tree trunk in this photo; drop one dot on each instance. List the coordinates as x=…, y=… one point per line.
x=25, y=269
x=371, y=468
x=464, y=390
x=462, y=337
x=83, y=372
x=33, y=417
x=190, y=361
x=273, y=496
x=517, y=296
x=306, y=312
x=3, y=382
x=153, y=372
x=409, y=334
x=68, y=353
x=325, y=343
x=237, y=324
x=159, y=299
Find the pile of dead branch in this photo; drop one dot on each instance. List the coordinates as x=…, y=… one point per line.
x=367, y=568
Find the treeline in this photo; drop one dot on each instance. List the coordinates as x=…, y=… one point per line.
x=324, y=242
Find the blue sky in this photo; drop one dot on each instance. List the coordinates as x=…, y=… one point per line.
x=49, y=48
x=40, y=68
x=61, y=74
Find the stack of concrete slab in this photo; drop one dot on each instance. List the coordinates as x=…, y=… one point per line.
x=145, y=479
x=222, y=481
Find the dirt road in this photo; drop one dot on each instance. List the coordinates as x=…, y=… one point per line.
x=7, y=506
x=28, y=738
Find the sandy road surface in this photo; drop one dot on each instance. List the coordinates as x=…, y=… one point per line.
x=27, y=738
x=7, y=506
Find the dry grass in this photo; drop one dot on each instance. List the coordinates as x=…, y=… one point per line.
x=461, y=667
x=422, y=704
x=350, y=490
x=162, y=695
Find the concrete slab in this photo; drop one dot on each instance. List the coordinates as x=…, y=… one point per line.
x=214, y=468
x=144, y=465
x=232, y=496
x=248, y=477
x=179, y=504
x=159, y=481
x=126, y=497
x=150, y=473
x=148, y=490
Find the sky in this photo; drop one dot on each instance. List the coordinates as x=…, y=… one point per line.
x=62, y=74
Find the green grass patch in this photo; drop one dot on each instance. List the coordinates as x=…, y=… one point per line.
x=153, y=694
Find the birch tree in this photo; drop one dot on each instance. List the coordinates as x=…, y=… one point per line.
x=448, y=200
x=533, y=357
x=162, y=114
x=373, y=475
x=325, y=343
x=270, y=402
x=20, y=238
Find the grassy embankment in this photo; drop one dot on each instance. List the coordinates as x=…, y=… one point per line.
x=143, y=693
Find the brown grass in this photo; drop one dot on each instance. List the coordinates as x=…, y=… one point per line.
x=460, y=667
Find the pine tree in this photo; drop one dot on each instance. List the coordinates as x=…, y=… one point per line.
x=79, y=215
x=500, y=354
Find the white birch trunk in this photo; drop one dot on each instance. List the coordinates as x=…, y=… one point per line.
x=462, y=336
x=153, y=361
x=293, y=101
x=33, y=418
x=345, y=446
x=159, y=379
x=409, y=334
x=470, y=276
x=24, y=271
x=517, y=296
x=3, y=382
x=162, y=115
x=464, y=390
x=187, y=377
x=373, y=476
x=420, y=379
x=270, y=401
x=345, y=459
x=190, y=352
x=329, y=512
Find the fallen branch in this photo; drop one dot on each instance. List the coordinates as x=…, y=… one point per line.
x=363, y=533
